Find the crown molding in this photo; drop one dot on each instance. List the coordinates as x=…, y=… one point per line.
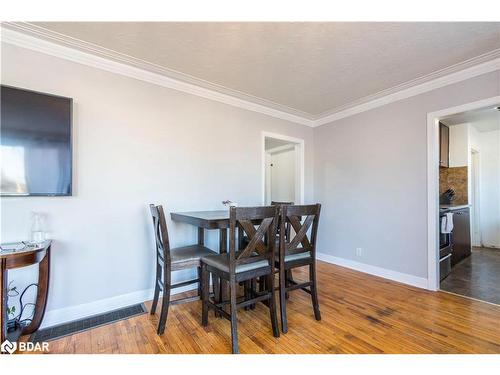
x=111, y=61
x=46, y=41
x=486, y=63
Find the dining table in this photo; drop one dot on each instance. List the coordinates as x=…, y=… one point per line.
x=217, y=219
x=208, y=220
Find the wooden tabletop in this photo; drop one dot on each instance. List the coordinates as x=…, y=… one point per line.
x=13, y=249
x=217, y=219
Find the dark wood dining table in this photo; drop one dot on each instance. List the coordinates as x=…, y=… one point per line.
x=218, y=219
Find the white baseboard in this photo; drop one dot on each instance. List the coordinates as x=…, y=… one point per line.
x=419, y=282
x=68, y=314
x=491, y=246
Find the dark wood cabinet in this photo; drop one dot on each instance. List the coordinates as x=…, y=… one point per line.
x=444, y=145
x=461, y=247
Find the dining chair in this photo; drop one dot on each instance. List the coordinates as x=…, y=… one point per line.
x=298, y=251
x=287, y=231
x=168, y=260
x=241, y=265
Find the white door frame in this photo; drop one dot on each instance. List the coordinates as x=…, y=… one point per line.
x=300, y=152
x=433, y=182
x=475, y=217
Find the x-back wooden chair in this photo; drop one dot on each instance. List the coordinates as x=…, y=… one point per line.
x=255, y=260
x=168, y=260
x=298, y=251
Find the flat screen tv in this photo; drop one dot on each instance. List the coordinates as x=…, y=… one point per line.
x=35, y=143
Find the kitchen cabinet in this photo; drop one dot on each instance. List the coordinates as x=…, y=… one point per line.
x=461, y=239
x=444, y=145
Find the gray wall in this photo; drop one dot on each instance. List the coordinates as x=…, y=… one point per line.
x=370, y=174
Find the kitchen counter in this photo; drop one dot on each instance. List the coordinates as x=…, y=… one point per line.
x=452, y=207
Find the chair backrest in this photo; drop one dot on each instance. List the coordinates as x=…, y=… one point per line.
x=276, y=203
x=294, y=215
x=287, y=225
x=161, y=234
x=261, y=240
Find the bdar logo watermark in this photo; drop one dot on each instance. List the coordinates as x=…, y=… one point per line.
x=11, y=347
x=8, y=347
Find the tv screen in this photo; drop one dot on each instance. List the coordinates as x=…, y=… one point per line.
x=35, y=143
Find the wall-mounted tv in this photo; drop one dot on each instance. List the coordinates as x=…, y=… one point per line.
x=35, y=143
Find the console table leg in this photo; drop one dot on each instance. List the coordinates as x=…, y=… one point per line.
x=3, y=300
x=42, y=293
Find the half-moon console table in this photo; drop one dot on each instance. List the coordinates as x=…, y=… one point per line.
x=17, y=256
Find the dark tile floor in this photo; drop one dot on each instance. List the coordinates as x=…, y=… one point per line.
x=477, y=276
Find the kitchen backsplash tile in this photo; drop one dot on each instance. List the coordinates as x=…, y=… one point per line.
x=455, y=178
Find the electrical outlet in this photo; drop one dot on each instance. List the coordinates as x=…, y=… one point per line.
x=359, y=252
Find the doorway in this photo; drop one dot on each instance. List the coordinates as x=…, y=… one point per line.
x=283, y=169
x=467, y=182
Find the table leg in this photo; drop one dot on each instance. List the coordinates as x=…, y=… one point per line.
x=42, y=293
x=201, y=236
x=3, y=299
x=224, y=285
x=223, y=240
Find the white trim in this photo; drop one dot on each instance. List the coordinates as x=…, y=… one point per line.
x=68, y=314
x=267, y=179
x=413, y=88
x=419, y=282
x=300, y=151
x=72, y=49
x=281, y=148
x=160, y=79
x=475, y=179
x=433, y=181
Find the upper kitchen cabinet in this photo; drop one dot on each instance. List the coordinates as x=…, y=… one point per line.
x=444, y=145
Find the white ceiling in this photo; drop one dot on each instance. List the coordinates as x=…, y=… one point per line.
x=484, y=120
x=310, y=68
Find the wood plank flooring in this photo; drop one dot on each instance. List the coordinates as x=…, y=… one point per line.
x=477, y=276
x=361, y=314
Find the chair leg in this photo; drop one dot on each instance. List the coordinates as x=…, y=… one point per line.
x=262, y=283
x=157, y=290
x=272, y=305
x=199, y=281
x=204, y=294
x=314, y=291
x=253, y=287
x=248, y=295
x=164, y=309
x=282, y=287
x=234, y=320
x=216, y=284
x=288, y=278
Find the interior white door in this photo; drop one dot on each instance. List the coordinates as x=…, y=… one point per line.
x=283, y=175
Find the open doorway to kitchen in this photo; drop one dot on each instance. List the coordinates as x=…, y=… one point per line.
x=283, y=169
x=469, y=203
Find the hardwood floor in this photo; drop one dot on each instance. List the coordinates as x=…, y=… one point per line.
x=361, y=314
x=477, y=276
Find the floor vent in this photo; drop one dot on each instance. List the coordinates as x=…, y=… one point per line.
x=70, y=328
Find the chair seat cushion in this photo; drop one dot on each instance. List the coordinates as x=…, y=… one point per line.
x=189, y=253
x=289, y=257
x=221, y=262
